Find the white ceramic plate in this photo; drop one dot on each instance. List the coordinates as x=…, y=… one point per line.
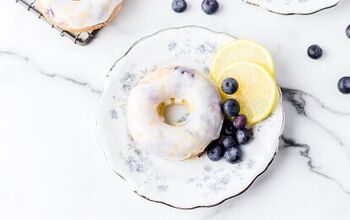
x=188, y=184
x=290, y=7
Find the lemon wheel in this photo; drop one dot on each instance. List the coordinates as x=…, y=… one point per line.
x=257, y=90
x=241, y=50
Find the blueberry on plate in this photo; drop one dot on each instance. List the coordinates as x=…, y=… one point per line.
x=243, y=136
x=231, y=107
x=220, y=139
x=233, y=155
x=210, y=6
x=229, y=86
x=348, y=31
x=344, y=85
x=315, y=52
x=228, y=128
x=228, y=142
x=179, y=6
x=240, y=121
x=215, y=152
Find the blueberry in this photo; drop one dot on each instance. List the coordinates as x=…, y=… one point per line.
x=240, y=121
x=315, y=52
x=210, y=6
x=228, y=142
x=348, y=31
x=243, y=136
x=231, y=107
x=233, y=155
x=228, y=128
x=229, y=86
x=344, y=85
x=215, y=152
x=220, y=139
x=179, y=5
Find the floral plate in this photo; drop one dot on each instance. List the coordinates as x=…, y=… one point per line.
x=187, y=184
x=290, y=7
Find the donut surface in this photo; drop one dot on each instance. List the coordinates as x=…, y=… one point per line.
x=79, y=15
x=174, y=85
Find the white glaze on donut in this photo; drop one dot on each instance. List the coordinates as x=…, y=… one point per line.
x=77, y=14
x=174, y=142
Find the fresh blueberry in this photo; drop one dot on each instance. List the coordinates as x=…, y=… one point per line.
x=228, y=142
x=229, y=86
x=179, y=5
x=344, y=85
x=215, y=153
x=348, y=31
x=243, y=136
x=240, y=121
x=220, y=139
x=228, y=128
x=231, y=107
x=315, y=52
x=233, y=155
x=210, y=6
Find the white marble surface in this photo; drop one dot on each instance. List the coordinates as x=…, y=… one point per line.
x=51, y=166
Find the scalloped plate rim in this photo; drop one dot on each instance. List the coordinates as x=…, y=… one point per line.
x=293, y=13
x=122, y=177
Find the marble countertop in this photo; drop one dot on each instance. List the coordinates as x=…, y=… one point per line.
x=51, y=166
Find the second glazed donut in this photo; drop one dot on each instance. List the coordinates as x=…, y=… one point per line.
x=79, y=16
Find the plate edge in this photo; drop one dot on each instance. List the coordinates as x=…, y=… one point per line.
x=292, y=13
x=122, y=177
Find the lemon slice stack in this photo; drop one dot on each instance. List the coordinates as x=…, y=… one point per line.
x=252, y=66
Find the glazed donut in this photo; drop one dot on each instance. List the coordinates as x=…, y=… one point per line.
x=174, y=85
x=79, y=15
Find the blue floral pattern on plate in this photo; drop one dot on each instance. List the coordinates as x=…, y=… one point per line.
x=187, y=184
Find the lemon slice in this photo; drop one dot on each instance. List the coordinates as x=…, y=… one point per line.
x=257, y=91
x=241, y=50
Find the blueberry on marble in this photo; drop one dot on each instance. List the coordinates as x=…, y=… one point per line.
x=233, y=155
x=229, y=86
x=240, y=121
x=228, y=128
x=243, y=136
x=228, y=142
x=348, y=31
x=179, y=5
x=231, y=107
x=210, y=6
x=344, y=85
x=215, y=152
x=315, y=52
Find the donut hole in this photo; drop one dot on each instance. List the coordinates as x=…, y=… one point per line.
x=174, y=112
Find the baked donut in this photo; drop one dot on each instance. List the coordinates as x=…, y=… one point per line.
x=79, y=15
x=174, y=85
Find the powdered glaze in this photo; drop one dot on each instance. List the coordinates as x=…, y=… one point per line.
x=186, y=138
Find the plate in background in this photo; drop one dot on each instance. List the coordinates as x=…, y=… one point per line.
x=291, y=7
